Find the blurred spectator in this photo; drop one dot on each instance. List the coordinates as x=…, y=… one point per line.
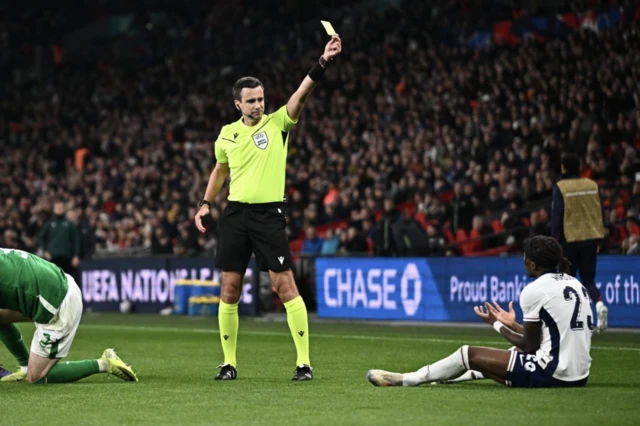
x=538, y=226
x=385, y=243
x=461, y=209
x=632, y=245
x=11, y=240
x=411, y=239
x=312, y=243
x=634, y=203
x=480, y=231
x=436, y=242
x=495, y=202
x=86, y=233
x=369, y=229
x=353, y=243
x=614, y=230
x=161, y=244
x=60, y=241
x=330, y=243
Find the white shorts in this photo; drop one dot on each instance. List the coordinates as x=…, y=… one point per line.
x=54, y=340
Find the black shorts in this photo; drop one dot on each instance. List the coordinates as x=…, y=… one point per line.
x=253, y=228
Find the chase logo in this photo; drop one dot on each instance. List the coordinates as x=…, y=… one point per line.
x=411, y=281
x=368, y=291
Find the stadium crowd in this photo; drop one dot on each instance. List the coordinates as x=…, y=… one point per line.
x=408, y=147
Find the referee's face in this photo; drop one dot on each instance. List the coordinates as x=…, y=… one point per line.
x=252, y=103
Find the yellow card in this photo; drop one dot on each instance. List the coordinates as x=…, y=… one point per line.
x=327, y=26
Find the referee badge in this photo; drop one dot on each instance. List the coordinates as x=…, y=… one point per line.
x=261, y=140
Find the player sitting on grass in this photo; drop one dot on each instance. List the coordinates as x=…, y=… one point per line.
x=32, y=289
x=552, y=347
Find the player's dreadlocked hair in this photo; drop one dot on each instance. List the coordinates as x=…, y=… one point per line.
x=546, y=252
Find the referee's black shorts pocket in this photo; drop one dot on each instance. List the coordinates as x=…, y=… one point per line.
x=234, y=245
x=267, y=231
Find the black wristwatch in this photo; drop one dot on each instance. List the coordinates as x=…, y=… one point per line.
x=323, y=62
x=205, y=202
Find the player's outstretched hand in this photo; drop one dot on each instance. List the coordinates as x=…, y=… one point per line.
x=333, y=48
x=507, y=318
x=485, y=313
x=204, y=210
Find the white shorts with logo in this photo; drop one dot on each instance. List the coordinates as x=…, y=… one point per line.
x=54, y=340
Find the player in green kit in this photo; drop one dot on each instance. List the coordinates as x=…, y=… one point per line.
x=253, y=151
x=34, y=290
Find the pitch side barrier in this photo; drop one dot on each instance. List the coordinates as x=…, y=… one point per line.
x=447, y=289
x=189, y=285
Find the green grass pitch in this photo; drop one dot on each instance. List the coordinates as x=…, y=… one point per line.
x=175, y=359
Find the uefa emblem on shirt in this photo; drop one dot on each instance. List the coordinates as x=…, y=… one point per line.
x=261, y=140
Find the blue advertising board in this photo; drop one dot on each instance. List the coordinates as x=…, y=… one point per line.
x=149, y=283
x=447, y=289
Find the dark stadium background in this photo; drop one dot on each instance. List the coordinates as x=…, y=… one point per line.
x=113, y=107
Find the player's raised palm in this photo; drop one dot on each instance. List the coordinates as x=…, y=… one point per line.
x=507, y=318
x=486, y=313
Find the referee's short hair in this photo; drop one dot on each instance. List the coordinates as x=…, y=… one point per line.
x=245, y=82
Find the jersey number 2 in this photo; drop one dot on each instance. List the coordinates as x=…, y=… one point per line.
x=575, y=323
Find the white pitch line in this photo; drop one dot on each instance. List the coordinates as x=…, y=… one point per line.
x=321, y=335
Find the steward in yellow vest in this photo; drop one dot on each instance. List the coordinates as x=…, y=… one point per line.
x=577, y=223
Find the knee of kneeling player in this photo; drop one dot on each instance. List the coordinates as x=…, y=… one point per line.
x=33, y=377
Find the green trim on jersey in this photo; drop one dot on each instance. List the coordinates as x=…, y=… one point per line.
x=31, y=285
x=257, y=157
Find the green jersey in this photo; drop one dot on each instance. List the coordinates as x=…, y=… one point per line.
x=257, y=157
x=31, y=285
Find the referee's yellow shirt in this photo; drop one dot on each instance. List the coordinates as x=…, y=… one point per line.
x=257, y=157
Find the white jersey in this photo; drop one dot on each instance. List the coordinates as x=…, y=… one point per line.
x=562, y=304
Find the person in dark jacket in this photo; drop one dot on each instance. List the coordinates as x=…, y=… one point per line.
x=86, y=233
x=385, y=244
x=60, y=241
x=461, y=209
x=577, y=223
x=411, y=239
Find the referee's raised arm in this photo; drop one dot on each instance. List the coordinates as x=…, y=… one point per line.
x=297, y=100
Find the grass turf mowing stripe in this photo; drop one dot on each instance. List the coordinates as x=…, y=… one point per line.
x=323, y=335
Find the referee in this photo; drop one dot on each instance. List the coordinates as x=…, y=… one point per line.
x=253, y=151
x=577, y=224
